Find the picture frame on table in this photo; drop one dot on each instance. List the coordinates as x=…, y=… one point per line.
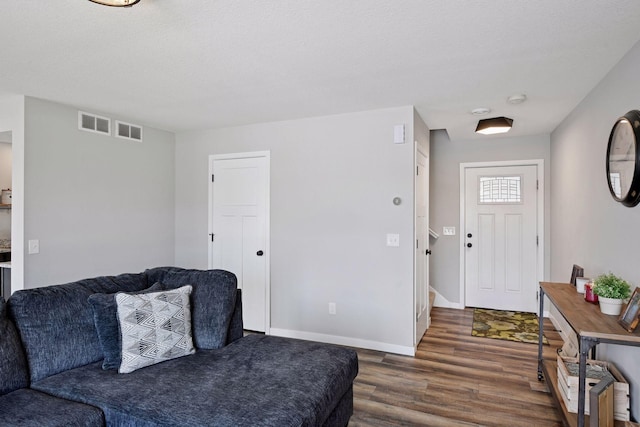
x=630, y=316
x=576, y=272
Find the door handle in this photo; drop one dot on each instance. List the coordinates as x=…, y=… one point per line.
x=469, y=245
x=428, y=252
x=469, y=235
x=259, y=253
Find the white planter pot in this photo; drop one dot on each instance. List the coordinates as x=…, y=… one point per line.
x=610, y=306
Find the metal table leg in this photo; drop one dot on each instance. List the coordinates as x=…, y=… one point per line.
x=586, y=345
x=540, y=324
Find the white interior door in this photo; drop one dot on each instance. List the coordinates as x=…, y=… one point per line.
x=500, y=237
x=422, y=245
x=239, y=230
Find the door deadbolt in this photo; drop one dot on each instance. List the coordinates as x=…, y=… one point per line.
x=469, y=245
x=259, y=253
x=469, y=235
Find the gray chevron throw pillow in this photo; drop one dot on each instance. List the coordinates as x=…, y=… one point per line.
x=154, y=327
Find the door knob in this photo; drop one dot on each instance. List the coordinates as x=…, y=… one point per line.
x=259, y=253
x=469, y=235
x=469, y=245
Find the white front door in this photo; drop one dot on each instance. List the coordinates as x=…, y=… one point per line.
x=500, y=237
x=422, y=246
x=239, y=229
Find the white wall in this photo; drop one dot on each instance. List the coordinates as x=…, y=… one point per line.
x=12, y=120
x=98, y=204
x=333, y=180
x=588, y=227
x=446, y=156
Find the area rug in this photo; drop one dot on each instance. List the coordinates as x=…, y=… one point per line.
x=506, y=325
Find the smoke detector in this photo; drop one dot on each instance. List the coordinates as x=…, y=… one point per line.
x=517, y=99
x=480, y=111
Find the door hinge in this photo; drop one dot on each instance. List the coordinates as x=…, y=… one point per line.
x=416, y=243
x=212, y=178
x=537, y=241
x=212, y=236
x=537, y=295
x=537, y=184
x=417, y=170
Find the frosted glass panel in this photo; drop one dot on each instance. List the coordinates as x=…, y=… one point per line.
x=500, y=189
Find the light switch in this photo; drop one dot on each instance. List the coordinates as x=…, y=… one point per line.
x=34, y=246
x=393, y=240
x=449, y=231
x=398, y=134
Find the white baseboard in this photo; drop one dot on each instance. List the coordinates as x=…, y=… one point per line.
x=346, y=341
x=441, y=301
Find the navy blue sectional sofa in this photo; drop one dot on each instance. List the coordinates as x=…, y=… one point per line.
x=57, y=362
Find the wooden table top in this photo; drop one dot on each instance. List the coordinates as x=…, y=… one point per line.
x=585, y=318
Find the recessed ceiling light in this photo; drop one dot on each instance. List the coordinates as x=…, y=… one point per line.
x=480, y=111
x=517, y=99
x=494, y=125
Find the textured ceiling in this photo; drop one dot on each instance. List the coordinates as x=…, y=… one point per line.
x=199, y=64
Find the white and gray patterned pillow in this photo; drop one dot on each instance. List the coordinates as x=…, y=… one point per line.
x=154, y=327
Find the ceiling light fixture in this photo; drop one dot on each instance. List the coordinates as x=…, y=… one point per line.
x=116, y=3
x=494, y=125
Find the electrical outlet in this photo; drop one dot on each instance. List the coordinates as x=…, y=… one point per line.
x=449, y=231
x=332, y=308
x=393, y=240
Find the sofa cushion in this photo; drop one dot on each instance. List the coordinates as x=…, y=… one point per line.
x=154, y=327
x=212, y=302
x=258, y=380
x=14, y=373
x=105, y=317
x=56, y=325
x=30, y=408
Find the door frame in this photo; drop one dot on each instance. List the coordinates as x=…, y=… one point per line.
x=539, y=163
x=247, y=155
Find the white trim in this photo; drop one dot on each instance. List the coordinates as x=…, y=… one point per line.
x=267, y=255
x=346, y=341
x=539, y=163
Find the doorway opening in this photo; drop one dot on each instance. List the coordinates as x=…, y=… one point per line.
x=6, y=168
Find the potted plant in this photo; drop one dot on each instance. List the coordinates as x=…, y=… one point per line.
x=612, y=291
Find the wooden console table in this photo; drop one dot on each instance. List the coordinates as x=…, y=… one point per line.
x=592, y=328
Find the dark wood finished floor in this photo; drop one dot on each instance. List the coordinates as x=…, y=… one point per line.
x=455, y=380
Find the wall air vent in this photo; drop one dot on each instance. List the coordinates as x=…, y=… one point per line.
x=128, y=131
x=93, y=123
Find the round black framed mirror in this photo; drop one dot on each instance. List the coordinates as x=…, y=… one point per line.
x=623, y=159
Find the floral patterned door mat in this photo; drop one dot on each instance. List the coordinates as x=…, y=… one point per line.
x=506, y=325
